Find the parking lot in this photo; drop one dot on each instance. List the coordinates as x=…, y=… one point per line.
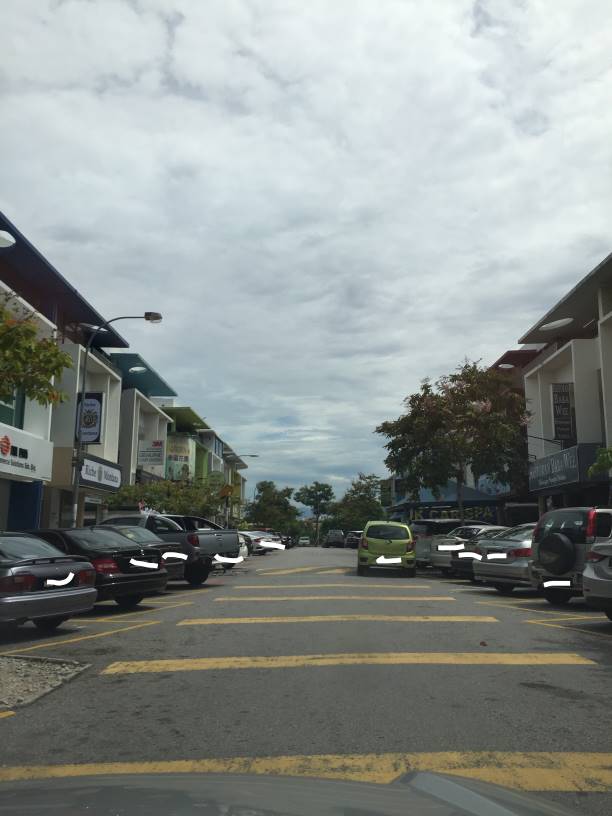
x=291, y=664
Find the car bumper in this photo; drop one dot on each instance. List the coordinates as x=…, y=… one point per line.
x=176, y=571
x=597, y=590
x=538, y=577
x=137, y=585
x=517, y=572
x=441, y=560
x=408, y=561
x=47, y=604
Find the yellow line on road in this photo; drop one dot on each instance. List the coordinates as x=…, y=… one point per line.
x=348, y=659
x=250, y=598
x=341, y=618
x=528, y=771
x=4, y=714
x=52, y=643
x=594, y=632
x=326, y=586
x=342, y=571
x=289, y=571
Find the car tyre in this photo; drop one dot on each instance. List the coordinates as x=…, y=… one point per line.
x=196, y=575
x=49, y=624
x=128, y=601
x=361, y=570
x=504, y=589
x=557, y=596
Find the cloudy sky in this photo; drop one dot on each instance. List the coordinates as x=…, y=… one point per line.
x=328, y=201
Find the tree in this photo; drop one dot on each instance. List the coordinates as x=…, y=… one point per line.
x=360, y=504
x=166, y=496
x=318, y=496
x=473, y=418
x=272, y=507
x=602, y=464
x=27, y=361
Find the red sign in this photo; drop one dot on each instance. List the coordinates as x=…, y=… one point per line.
x=5, y=445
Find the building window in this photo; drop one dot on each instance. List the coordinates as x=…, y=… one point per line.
x=11, y=413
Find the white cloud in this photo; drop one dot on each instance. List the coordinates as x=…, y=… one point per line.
x=327, y=201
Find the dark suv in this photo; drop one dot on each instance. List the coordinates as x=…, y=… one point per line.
x=561, y=541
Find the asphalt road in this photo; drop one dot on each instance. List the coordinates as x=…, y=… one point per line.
x=293, y=664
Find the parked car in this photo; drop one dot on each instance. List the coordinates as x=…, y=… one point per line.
x=267, y=541
x=505, y=559
x=112, y=555
x=352, y=539
x=303, y=541
x=205, y=543
x=597, y=578
x=253, y=542
x=463, y=566
x=386, y=545
x=561, y=540
x=176, y=567
x=40, y=583
x=441, y=558
x=426, y=532
x=334, y=538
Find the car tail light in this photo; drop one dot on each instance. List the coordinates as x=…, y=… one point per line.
x=105, y=566
x=591, y=528
x=363, y=543
x=193, y=539
x=18, y=583
x=86, y=577
x=595, y=556
x=522, y=552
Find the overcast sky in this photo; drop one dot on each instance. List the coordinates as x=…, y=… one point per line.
x=328, y=201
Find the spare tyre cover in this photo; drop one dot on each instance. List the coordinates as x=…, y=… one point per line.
x=556, y=554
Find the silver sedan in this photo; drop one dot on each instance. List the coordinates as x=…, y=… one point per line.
x=40, y=583
x=444, y=546
x=504, y=561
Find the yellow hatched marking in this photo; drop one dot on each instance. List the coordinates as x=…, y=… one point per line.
x=528, y=771
x=250, y=598
x=53, y=643
x=348, y=659
x=333, y=586
x=341, y=618
x=5, y=714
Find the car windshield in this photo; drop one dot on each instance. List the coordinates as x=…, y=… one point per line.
x=100, y=540
x=139, y=534
x=387, y=531
x=19, y=547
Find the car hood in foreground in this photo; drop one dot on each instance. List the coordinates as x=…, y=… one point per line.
x=416, y=794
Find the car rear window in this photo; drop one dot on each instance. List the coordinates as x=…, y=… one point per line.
x=572, y=523
x=140, y=534
x=387, y=531
x=101, y=540
x=27, y=547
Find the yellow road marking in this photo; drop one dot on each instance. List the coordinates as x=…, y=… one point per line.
x=342, y=571
x=336, y=598
x=528, y=771
x=325, y=586
x=4, y=714
x=288, y=571
x=340, y=618
x=594, y=632
x=50, y=643
x=348, y=659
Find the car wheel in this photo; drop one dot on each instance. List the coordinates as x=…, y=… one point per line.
x=608, y=613
x=196, y=575
x=504, y=589
x=361, y=570
x=558, y=597
x=409, y=572
x=128, y=601
x=49, y=624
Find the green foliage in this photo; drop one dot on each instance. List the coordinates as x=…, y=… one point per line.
x=360, y=504
x=603, y=462
x=318, y=496
x=27, y=361
x=471, y=418
x=271, y=507
x=168, y=497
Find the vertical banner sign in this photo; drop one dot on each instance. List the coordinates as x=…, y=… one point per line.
x=89, y=414
x=563, y=412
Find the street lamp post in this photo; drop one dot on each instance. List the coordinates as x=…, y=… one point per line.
x=151, y=317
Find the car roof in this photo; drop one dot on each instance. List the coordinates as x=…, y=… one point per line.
x=385, y=521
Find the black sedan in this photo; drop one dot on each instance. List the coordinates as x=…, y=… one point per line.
x=177, y=556
x=40, y=583
x=464, y=566
x=125, y=571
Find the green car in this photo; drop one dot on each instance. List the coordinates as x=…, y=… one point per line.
x=386, y=545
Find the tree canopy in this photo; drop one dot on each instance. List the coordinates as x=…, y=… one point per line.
x=272, y=507
x=473, y=418
x=167, y=496
x=360, y=504
x=318, y=496
x=27, y=360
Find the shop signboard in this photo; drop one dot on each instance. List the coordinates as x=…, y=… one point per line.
x=180, y=458
x=564, y=467
x=151, y=453
x=563, y=412
x=89, y=413
x=100, y=473
x=24, y=455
